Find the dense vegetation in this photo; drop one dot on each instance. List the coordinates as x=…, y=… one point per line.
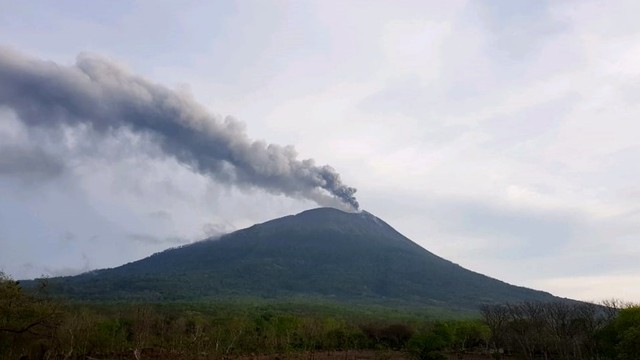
x=565, y=330
x=37, y=327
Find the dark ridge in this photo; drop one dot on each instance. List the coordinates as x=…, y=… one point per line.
x=320, y=253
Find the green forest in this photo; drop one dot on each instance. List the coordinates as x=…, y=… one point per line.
x=35, y=326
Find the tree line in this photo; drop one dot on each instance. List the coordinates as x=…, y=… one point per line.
x=33, y=326
x=564, y=330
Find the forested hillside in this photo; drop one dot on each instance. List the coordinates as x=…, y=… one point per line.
x=322, y=254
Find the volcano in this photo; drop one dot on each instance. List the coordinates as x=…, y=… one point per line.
x=321, y=253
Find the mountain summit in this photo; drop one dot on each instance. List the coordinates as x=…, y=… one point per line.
x=324, y=252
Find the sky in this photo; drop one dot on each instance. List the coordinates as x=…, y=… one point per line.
x=502, y=135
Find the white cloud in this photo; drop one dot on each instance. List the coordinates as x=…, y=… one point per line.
x=595, y=288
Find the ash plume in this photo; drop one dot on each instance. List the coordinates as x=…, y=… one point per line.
x=98, y=93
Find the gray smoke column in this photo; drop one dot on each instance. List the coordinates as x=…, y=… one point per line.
x=103, y=95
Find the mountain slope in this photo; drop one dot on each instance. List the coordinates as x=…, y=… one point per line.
x=320, y=253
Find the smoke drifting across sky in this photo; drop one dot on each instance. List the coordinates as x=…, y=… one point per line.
x=102, y=95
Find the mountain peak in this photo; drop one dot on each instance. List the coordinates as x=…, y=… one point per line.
x=322, y=213
x=322, y=252
x=327, y=218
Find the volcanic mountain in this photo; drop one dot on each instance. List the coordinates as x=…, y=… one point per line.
x=321, y=253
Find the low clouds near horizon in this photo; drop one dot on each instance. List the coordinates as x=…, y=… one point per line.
x=501, y=135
